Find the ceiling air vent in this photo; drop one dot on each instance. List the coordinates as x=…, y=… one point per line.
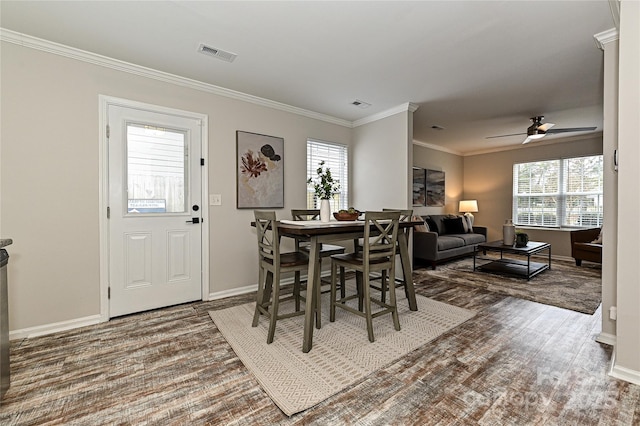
x=216, y=53
x=360, y=104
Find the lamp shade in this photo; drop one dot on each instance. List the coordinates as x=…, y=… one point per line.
x=468, y=206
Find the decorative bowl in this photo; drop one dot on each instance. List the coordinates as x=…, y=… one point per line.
x=346, y=216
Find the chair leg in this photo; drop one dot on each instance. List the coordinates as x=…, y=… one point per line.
x=274, y=308
x=383, y=296
x=367, y=307
x=332, y=299
x=578, y=262
x=318, y=295
x=296, y=290
x=393, y=302
x=359, y=289
x=259, y=299
x=343, y=284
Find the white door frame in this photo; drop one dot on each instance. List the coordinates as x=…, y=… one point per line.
x=103, y=170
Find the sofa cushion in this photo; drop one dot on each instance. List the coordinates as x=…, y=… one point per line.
x=470, y=239
x=446, y=242
x=453, y=225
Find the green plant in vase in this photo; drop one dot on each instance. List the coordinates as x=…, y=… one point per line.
x=324, y=187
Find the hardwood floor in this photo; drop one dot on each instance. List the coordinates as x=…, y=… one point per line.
x=517, y=362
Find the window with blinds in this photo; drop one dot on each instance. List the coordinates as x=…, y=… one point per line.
x=582, y=192
x=554, y=193
x=335, y=157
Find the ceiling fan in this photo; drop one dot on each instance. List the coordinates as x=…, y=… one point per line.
x=538, y=130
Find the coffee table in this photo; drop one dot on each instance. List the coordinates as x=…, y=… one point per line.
x=512, y=265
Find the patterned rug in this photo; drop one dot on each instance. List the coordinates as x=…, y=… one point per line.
x=564, y=285
x=341, y=355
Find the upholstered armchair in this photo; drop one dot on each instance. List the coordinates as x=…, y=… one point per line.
x=583, y=247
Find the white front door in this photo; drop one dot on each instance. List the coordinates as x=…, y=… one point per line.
x=155, y=238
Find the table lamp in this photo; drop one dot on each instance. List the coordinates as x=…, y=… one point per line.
x=467, y=207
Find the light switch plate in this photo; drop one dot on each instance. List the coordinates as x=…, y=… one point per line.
x=215, y=199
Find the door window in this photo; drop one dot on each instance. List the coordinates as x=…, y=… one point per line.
x=157, y=170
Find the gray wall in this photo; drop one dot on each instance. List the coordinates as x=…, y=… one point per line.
x=452, y=166
x=489, y=179
x=50, y=178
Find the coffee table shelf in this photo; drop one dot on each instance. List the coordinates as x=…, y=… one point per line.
x=510, y=265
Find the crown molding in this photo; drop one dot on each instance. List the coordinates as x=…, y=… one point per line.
x=115, y=64
x=410, y=107
x=437, y=148
x=606, y=37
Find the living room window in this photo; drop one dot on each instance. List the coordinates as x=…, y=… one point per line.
x=335, y=157
x=559, y=193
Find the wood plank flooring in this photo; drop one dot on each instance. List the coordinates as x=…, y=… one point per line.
x=516, y=363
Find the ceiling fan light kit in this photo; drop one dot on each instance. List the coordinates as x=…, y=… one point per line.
x=538, y=130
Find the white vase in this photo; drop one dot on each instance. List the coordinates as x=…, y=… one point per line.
x=325, y=211
x=508, y=233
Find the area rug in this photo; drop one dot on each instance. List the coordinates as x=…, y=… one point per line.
x=341, y=355
x=564, y=285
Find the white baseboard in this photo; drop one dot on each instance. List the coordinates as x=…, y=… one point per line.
x=254, y=287
x=42, y=330
x=565, y=258
x=626, y=374
x=233, y=292
x=606, y=339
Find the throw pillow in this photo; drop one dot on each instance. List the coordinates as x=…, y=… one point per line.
x=469, y=220
x=453, y=225
x=465, y=223
x=419, y=228
x=431, y=224
x=598, y=240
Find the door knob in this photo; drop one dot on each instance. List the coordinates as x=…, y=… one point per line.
x=194, y=220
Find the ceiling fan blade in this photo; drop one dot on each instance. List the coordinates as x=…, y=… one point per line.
x=571, y=129
x=504, y=136
x=527, y=140
x=535, y=137
x=546, y=126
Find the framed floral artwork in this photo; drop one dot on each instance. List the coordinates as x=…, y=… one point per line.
x=260, y=171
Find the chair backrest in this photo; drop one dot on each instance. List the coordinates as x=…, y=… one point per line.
x=298, y=214
x=268, y=237
x=380, y=235
x=405, y=215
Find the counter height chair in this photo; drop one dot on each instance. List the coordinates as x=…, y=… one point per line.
x=272, y=264
x=405, y=215
x=326, y=250
x=377, y=255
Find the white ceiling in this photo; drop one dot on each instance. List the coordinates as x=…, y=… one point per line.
x=476, y=68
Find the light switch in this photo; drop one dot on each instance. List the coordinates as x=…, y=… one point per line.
x=215, y=199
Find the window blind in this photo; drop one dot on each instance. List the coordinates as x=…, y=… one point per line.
x=564, y=192
x=336, y=159
x=536, y=190
x=583, y=188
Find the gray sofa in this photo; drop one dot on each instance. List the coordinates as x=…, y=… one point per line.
x=447, y=241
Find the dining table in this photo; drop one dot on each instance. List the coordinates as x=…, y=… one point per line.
x=317, y=233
